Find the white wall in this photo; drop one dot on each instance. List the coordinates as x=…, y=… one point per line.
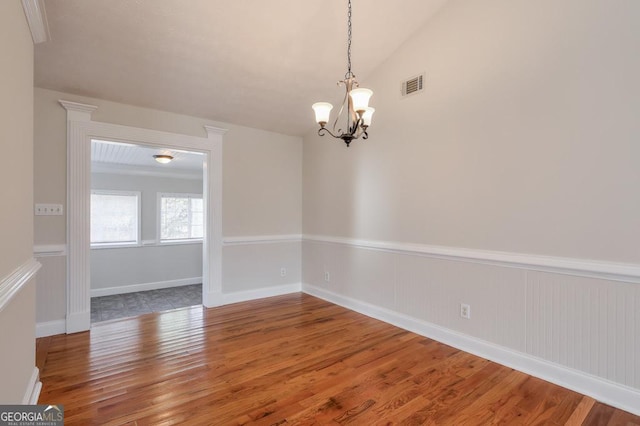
x=523, y=148
x=261, y=189
x=128, y=269
x=522, y=141
x=17, y=298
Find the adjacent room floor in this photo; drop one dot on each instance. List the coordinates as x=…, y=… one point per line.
x=292, y=359
x=143, y=302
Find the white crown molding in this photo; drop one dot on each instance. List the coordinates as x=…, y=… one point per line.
x=125, y=169
x=50, y=250
x=568, y=266
x=37, y=19
x=12, y=283
x=611, y=393
x=261, y=239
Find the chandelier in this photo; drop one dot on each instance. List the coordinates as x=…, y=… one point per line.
x=356, y=104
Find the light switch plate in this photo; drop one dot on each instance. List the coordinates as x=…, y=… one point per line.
x=48, y=210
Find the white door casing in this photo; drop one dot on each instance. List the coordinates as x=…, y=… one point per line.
x=80, y=130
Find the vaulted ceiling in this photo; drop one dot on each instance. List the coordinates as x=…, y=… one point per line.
x=249, y=62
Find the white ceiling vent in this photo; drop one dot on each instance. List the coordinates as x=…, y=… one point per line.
x=413, y=85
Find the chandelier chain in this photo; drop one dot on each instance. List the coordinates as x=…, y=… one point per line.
x=349, y=73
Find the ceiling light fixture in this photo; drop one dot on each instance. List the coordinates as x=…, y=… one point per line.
x=356, y=100
x=163, y=159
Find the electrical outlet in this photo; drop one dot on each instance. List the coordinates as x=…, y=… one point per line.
x=465, y=311
x=327, y=276
x=283, y=272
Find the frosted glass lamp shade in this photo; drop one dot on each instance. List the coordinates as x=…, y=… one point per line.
x=360, y=98
x=323, y=110
x=366, y=117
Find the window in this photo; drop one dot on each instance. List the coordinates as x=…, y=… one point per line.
x=115, y=217
x=181, y=217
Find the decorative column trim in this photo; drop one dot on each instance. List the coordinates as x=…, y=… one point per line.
x=77, y=111
x=212, y=247
x=212, y=130
x=78, y=225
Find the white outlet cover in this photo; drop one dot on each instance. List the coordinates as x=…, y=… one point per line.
x=465, y=311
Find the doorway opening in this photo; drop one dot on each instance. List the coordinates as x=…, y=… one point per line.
x=81, y=130
x=147, y=229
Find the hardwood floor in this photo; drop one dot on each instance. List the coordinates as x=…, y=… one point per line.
x=291, y=359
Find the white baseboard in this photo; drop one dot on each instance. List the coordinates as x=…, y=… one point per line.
x=78, y=322
x=34, y=386
x=109, y=291
x=219, y=299
x=614, y=394
x=51, y=328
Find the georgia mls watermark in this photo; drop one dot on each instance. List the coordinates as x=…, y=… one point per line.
x=31, y=415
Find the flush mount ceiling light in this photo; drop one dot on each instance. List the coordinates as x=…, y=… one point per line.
x=356, y=100
x=163, y=158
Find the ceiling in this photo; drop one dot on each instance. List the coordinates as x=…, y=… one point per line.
x=124, y=158
x=249, y=62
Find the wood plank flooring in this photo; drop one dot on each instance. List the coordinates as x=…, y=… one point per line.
x=290, y=360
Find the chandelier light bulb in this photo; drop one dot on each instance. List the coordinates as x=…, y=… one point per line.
x=367, y=115
x=360, y=98
x=322, y=110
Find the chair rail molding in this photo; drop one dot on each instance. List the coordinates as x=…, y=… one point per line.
x=12, y=283
x=561, y=265
x=46, y=250
x=262, y=239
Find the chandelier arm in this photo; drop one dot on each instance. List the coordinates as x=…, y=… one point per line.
x=323, y=130
x=344, y=101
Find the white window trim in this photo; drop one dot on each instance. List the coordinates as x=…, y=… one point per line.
x=159, y=218
x=138, y=241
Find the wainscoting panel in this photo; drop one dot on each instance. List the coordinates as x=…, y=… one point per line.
x=567, y=326
x=51, y=293
x=588, y=324
x=433, y=289
x=251, y=263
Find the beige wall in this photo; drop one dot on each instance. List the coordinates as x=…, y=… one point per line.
x=261, y=189
x=17, y=318
x=262, y=184
x=525, y=139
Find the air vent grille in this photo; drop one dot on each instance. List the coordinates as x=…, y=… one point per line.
x=413, y=85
